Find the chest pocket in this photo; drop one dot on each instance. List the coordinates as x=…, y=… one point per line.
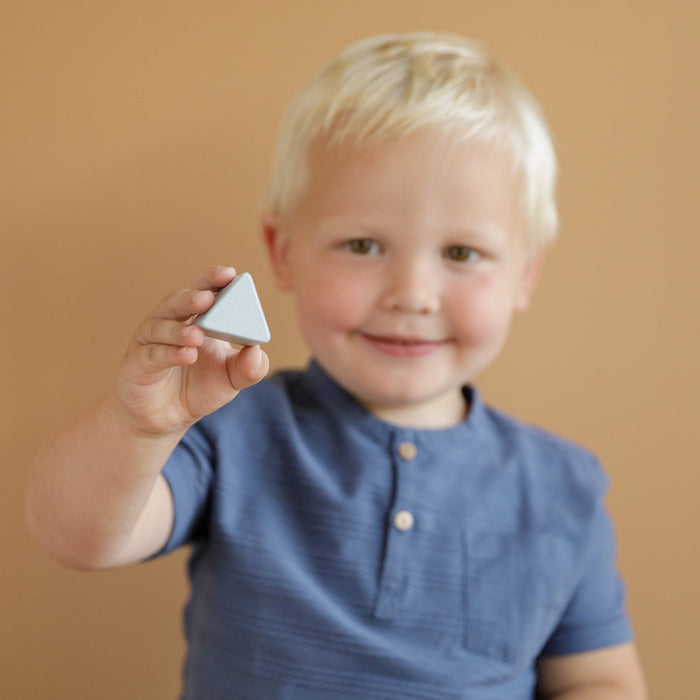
x=515, y=591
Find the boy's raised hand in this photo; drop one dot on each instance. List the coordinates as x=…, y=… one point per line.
x=96, y=497
x=172, y=374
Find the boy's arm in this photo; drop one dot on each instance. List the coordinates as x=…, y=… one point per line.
x=612, y=673
x=95, y=496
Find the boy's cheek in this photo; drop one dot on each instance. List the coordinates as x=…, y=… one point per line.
x=329, y=309
x=481, y=319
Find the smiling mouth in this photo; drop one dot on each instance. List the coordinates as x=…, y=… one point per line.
x=399, y=346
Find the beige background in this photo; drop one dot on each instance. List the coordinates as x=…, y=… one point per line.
x=135, y=139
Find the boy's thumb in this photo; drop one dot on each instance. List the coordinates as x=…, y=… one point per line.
x=248, y=366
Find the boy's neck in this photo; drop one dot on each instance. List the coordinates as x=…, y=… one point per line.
x=441, y=412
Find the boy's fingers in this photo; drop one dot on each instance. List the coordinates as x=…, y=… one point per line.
x=168, y=332
x=248, y=366
x=156, y=358
x=214, y=277
x=184, y=304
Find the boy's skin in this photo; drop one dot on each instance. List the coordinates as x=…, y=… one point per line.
x=407, y=259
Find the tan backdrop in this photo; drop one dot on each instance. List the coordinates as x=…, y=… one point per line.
x=135, y=140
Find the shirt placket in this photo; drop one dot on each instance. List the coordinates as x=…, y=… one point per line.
x=400, y=525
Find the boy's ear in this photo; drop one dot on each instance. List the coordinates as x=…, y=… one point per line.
x=277, y=244
x=528, y=282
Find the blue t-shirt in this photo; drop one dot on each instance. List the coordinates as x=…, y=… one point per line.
x=337, y=556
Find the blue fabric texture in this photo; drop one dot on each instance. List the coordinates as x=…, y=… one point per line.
x=306, y=585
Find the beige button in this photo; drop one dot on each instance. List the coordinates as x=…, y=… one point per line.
x=403, y=520
x=407, y=450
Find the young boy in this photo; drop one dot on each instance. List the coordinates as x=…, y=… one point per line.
x=366, y=528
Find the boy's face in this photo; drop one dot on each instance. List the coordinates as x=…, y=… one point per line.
x=407, y=259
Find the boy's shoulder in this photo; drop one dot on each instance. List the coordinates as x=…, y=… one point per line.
x=513, y=432
x=556, y=467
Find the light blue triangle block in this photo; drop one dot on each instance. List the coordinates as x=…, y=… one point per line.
x=237, y=314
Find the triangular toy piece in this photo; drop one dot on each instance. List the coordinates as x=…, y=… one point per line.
x=237, y=314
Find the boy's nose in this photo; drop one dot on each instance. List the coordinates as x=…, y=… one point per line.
x=411, y=289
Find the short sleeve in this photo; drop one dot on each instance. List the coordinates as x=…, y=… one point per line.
x=596, y=616
x=189, y=474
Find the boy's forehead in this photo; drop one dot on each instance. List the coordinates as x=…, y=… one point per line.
x=420, y=178
x=426, y=160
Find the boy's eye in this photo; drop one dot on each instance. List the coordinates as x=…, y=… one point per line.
x=363, y=246
x=461, y=253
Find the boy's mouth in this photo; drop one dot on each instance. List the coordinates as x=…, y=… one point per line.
x=402, y=346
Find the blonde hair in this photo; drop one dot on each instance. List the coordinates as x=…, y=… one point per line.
x=390, y=85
